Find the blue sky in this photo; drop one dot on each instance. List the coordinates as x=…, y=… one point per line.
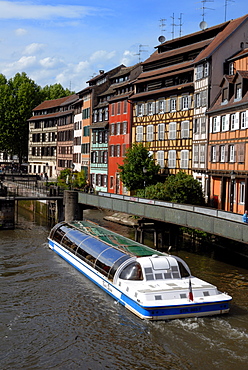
x=68, y=42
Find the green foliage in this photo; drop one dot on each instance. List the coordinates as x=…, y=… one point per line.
x=183, y=188
x=136, y=161
x=68, y=179
x=18, y=97
x=179, y=188
x=55, y=91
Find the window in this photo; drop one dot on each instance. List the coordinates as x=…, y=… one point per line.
x=199, y=72
x=118, y=128
x=161, y=131
x=185, y=102
x=172, y=159
x=140, y=110
x=231, y=153
x=172, y=130
x=173, y=105
x=202, y=153
x=203, y=125
x=223, y=123
x=184, y=163
x=232, y=120
x=243, y=119
x=149, y=136
x=125, y=106
x=231, y=69
x=112, y=129
x=196, y=153
x=242, y=193
x=139, y=133
x=238, y=93
x=124, y=127
x=222, y=153
x=119, y=107
x=197, y=100
x=213, y=153
x=204, y=98
x=118, y=150
x=206, y=68
x=214, y=124
x=160, y=158
x=150, y=108
x=197, y=126
x=185, y=129
x=112, y=109
x=161, y=106
x=111, y=182
x=224, y=95
x=112, y=150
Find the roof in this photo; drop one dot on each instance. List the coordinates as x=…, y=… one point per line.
x=50, y=103
x=162, y=73
x=220, y=38
x=163, y=90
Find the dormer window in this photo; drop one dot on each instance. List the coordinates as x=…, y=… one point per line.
x=231, y=69
x=238, y=92
x=224, y=95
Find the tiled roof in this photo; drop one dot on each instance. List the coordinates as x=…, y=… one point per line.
x=163, y=75
x=50, y=103
x=162, y=71
x=220, y=38
x=163, y=90
x=238, y=55
x=156, y=56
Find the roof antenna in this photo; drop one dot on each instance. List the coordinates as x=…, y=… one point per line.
x=204, y=8
x=226, y=2
x=140, y=51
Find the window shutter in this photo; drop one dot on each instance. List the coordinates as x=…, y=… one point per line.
x=157, y=107
x=227, y=124
x=218, y=124
x=189, y=101
x=211, y=125
x=236, y=122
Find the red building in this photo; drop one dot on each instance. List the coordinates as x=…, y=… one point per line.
x=120, y=119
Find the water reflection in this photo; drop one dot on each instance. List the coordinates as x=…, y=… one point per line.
x=53, y=317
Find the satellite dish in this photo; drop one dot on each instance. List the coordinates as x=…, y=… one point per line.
x=203, y=25
x=161, y=39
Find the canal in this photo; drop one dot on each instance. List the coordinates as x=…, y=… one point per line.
x=52, y=317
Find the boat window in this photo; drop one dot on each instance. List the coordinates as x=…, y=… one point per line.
x=182, y=269
x=175, y=272
x=117, y=264
x=167, y=275
x=158, y=276
x=149, y=273
x=132, y=272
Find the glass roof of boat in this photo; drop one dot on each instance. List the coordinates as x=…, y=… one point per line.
x=118, y=241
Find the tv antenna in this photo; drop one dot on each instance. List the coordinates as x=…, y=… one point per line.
x=141, y=51
x=226, y=2
x=162, y=25
x=180, y=24
x=204, y=7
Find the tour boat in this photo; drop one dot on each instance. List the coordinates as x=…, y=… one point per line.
x=151, y=284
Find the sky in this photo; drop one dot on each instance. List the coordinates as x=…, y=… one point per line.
x=68, y=42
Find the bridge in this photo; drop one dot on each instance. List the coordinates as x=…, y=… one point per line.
x=213, y=221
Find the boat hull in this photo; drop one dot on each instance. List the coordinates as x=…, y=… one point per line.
x=166, y=312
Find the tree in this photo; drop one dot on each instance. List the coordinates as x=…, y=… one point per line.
x=139, y=168
x=55, y=91
x=179, y=188
x=183, y=188
x=18, y=97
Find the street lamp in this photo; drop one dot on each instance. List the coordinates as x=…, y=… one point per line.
x=232, y=190
x=144, y=172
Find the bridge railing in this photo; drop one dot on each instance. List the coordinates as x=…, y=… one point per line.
x=186, y=207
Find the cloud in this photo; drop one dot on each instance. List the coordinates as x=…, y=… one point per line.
x=50, y=62
x=128, y=58
x=101, y=55
x=33, y=48
x=29, y=10
x=20, y=65
x=20, y=31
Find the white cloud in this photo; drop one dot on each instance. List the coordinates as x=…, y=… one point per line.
x=128, y=58
x=29, y=10
x=49, y=62
x=20, y=65
x=101, y=55
x=20, y=31
x=33, y=48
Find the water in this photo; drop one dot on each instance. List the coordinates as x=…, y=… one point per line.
x=52, y=317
